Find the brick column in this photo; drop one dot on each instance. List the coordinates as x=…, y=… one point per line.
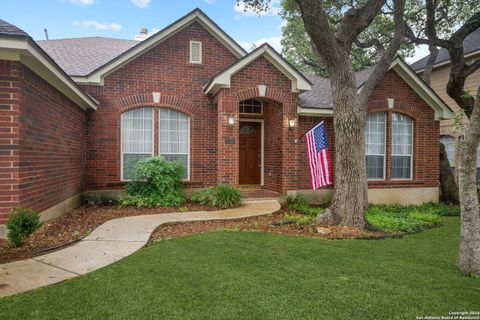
x=227, y=165
x=290, y=172
x=9, y=137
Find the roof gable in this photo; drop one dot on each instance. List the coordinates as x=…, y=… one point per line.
x=97, y=76
x=322, y=88
x=222, y=80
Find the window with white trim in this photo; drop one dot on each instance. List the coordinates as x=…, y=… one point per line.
x=137, y=138
x=449, y=143
x=375, y=146
x=195, y=52
x=402, y=146
x=174, y=137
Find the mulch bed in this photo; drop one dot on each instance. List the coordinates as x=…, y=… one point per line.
x=78, y=223
x=263, y=224
x=75, y=225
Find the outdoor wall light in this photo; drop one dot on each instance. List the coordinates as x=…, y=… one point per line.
x=231, y=121
x=291, y=123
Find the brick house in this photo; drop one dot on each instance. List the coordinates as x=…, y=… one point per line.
x=77, y=113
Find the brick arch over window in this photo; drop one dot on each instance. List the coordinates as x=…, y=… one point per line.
x=409, y=109
x=270, y=94
x=146, y=100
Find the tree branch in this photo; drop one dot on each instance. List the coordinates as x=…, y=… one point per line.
x=356, y=20
x=427, y=72
x=471, y=68
x=388, y=55
x=371, y=43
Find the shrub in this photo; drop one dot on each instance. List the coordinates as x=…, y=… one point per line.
x=300, y=204
x=300, y=220
x=156, y=183
x=221, y=196
x=22, y=223
x=441, y=209
x=408, y=219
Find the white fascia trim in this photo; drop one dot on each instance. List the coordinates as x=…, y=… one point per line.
x=442, y=111
x=98, y=76
x=30, y=56
x=314, y=112
x=468, y=55
x=223, y=79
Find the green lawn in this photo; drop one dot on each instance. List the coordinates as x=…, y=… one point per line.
x=236, y=275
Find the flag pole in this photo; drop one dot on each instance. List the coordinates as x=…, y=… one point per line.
x=303, y=135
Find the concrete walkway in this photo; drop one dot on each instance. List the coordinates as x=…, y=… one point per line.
x=110, y=242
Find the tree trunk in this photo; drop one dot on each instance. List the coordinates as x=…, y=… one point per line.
x=447, y=179
x=350, y=198
x=469, y=255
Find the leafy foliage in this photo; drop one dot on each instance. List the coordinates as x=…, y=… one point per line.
x=300, y=219
x=220, y=196
x=408, y=219
x=156, y=183
x=22, y=223
x=300, y=204
x=297, y=49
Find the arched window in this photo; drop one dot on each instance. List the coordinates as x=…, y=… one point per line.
x=402, y=146
x=137, y=139
x=449, y=143
x=375, y=146
x=174, y=137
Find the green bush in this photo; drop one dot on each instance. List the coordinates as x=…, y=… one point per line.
x=22, y=223
x=407, y=219
x=220, y=196
x=300, y=204
x=300, y=219
x=441, y=209
x=156, y=183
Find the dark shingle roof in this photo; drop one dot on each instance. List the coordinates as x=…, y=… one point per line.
x=470, y=44
x=321, y=96
x=11, y=30
x=81, y=56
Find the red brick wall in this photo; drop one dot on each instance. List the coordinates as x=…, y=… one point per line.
x=9, y=139
x=426, y=134
x=165, y=69
x=42, y=142
x=52, y=144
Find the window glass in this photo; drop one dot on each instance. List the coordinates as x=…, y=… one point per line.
x=137, y=138
x=174, y=137
x=402, y=146
x=375, y=146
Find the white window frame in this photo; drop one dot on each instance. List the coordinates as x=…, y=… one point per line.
x=403, y=155
x=246, y=113
x=121, y=141
x=191, y=51
x=188, y=142
x=384, y=173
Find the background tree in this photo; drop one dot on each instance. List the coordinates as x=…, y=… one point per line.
x=333, y=28
x=298, y=50
x=436, y=32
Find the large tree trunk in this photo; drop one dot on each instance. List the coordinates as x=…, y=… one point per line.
x=447, y=179
x=350, y=197
x=469, y=256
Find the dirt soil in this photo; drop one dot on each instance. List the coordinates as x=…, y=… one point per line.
x=263, y=224
x=75, y=225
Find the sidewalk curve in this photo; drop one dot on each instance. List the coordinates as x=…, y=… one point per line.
x=110, y=242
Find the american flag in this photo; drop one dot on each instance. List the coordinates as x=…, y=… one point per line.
x=318, y=156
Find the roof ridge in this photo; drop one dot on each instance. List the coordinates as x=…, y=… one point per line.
x=91, y=37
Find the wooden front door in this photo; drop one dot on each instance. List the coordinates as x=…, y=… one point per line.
x=250, y=152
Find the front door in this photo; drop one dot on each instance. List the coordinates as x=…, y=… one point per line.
x=250, y=152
